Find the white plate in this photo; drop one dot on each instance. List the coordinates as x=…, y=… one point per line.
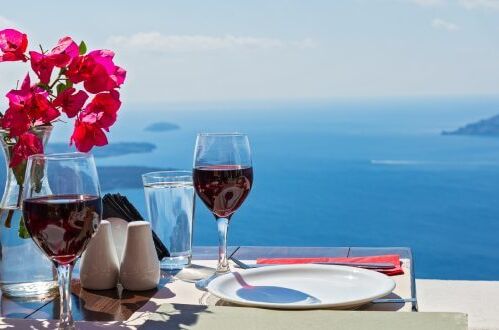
x=302, y=286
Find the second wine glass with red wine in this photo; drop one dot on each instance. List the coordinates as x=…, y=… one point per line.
x=223, y=177
x=62, y=210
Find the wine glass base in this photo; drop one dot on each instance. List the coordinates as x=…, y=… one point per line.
x=30, y=291
x=66, y=326
x=203, y=283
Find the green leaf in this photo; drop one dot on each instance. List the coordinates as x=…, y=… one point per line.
x=82, y=48
x=23, y=232
x=60, y=88
x=69, y=84
x=44, y=86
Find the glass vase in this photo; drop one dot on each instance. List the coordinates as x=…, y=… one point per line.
x=24, y=271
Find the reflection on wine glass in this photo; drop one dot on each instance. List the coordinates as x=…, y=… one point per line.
x=223, y=177
x=62, y=210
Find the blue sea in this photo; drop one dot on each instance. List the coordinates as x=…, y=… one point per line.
x=371, y=172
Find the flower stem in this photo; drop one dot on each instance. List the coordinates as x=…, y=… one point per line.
x=19, y=197
x=56, y=80
x=8, y=218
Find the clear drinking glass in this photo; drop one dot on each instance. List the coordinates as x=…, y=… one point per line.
x=62, y=210
x=223, y=177
x=170, y=207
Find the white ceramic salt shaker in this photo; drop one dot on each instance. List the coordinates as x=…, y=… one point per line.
x=119, y=229
x=139, y=268
x=99, y=266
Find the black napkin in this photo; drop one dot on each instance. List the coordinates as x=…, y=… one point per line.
x=118, y=206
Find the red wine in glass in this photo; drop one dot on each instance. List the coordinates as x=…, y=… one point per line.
x=62, y=225
x=223, y=188
x=223, y=178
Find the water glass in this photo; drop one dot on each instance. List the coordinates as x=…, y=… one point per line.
x=170, y=208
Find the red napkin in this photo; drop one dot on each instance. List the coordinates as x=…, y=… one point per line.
x=392, y=258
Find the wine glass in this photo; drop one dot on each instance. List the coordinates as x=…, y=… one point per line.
x=223, y=177
x=62, y=210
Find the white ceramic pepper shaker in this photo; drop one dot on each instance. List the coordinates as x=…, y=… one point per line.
x=139, y=268
x=99, y=267
x=119, y=229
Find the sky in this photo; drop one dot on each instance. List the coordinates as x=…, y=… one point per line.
x=198, y=51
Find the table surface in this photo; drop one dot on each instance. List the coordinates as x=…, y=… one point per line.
x=119, y=305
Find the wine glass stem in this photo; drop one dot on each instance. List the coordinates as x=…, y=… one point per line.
x=223, y=263
x=64, y=280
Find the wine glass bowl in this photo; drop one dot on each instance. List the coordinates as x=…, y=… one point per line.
x=223, y=177
x=62, y=210
x=62, y=225
x=223, y=188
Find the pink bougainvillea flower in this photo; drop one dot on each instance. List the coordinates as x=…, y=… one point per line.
x=70, y=102
x=41, y=110
x=97, y=70
x=19, y=97
x=60, y=56
x=64, y=52
x=105, y=74
x=103, y=109
x=28, y=144
x=80, y=69
x=105, y=59
x=22, y=97
x=28, y=105
x=16, y=121
x=99, y=80
x=13, y=44
x=87, y=135
x=42, y=65
x=35, y=105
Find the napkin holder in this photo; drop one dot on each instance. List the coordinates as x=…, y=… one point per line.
x=118, y=206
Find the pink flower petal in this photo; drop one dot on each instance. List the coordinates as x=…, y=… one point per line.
x=42, y=65
x=16, y=121
x=64, y=52
x=28, y=144
x=86, y=136
x=13, y=44
x=104, y=106
x=70, y=102
x=26, y=85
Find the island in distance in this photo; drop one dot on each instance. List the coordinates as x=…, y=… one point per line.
x=485, y=127
x=161, y=127
x=110, y=150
